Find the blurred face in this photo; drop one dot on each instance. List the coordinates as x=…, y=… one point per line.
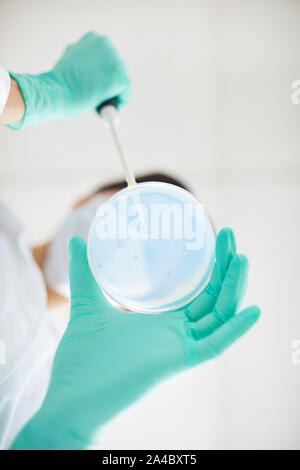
x=58, y=299
x=55, y=265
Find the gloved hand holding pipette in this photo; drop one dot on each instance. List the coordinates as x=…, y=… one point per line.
x=108, y=358
x=89, y=73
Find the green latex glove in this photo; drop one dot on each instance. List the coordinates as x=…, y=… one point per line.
x=108, y=358
x=89, y=73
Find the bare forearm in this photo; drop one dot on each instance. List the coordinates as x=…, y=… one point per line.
x=15, y=107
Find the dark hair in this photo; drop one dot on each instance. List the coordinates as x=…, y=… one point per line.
x=160, y=177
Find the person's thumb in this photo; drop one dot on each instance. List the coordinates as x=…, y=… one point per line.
x=85, y=291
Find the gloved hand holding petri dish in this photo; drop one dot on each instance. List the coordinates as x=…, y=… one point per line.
x=151, y=247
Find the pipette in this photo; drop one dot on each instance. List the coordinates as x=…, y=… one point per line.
x=163, y=261
x=109, y=112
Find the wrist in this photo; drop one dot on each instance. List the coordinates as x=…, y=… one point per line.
x=5, y=84
x=43, y=98
x=12, y=105
x=45, y=432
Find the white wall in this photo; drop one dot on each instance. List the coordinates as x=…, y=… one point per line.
x=211, y=101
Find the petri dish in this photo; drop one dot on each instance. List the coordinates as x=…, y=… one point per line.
x=151, y=247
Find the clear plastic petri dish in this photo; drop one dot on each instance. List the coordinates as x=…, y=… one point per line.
x=151, y=247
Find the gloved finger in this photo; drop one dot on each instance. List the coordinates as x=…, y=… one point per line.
x=121, y=93
x=83, y=286
x=233, y=288
x=225, y=250
x=124, y=97
x=232, y=292
x=223, y=337
x=91, y=35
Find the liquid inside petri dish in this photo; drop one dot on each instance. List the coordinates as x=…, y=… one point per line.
x=151, y=247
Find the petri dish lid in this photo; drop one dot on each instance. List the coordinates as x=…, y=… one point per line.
x=151, y=247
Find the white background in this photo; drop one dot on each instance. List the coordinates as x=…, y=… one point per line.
x=212, y=103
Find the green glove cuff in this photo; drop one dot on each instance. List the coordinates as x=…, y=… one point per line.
x=45, y=432
x=43, y=97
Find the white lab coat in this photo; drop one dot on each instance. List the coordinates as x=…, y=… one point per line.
x=28, y=334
